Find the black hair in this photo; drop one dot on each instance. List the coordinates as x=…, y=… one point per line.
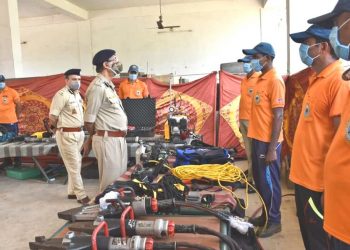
x=99, y=68
x=322, y=40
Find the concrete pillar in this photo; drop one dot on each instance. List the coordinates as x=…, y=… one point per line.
x=10, y=42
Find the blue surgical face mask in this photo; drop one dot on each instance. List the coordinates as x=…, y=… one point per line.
x=2, y=85
x=256, y=65
x=340, y=50
x=132, y=77
x=74, y=85
x=304, y=54
x=247, y=67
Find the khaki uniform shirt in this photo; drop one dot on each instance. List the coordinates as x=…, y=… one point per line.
x=67, y=105
x=104, y=107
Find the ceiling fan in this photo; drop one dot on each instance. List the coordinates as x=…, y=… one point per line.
x=160, y=21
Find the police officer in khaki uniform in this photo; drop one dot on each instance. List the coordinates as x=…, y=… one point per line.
x=67, y=117
x=106, y=120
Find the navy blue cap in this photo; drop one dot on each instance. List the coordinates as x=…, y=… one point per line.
x=261, y=48
x=2, y=78
x=133, y=68
x=326, y=20
x=246, y=59
x=102, y=56
x=313, y=31
x=72, y=72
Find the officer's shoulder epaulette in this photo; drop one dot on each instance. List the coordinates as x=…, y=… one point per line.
x=99, y=83
x=61, y=92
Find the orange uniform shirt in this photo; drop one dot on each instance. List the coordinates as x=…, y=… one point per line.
x=323, y=100
x=247, y=89
x=337, y=179
x=269, y=93
x=136, y=90
x=8, y=97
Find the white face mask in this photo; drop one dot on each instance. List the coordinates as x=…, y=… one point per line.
x=2, y=85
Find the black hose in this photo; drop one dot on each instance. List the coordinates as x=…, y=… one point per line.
x=181, y=245
x=204, y=230
x=178, y=245
x=218, y=214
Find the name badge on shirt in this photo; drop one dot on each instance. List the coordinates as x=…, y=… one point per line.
x=138, y=92
x=5, y=99
x=347, y=132
x=307, y=110
x=257, y=98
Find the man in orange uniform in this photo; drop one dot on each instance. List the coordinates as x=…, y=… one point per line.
x=10, y=108
x=318, y=122
x=245, y=105
x=265, y=129
x=337, y=162
x=132, y=87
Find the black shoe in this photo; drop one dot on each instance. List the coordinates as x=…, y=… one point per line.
x=257, y=221
x=72, y=197
x=271, y=229
x=85, y=201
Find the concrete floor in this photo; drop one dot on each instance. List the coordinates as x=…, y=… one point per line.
x=29, y=208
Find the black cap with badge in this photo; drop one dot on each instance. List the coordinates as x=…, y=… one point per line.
x=2, y=78
x=102, y=56
x=72, y=72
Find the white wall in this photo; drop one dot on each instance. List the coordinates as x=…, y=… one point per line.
x=274, y=30
x=220, y=29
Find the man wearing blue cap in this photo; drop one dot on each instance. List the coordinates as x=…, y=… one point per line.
x=316, y=128
x=337, y=162
x=67, y=117
x=132, y=87
x=105, y=119
x=265, y=129
x=247, y=88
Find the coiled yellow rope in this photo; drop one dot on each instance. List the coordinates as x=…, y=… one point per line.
x=227, y=172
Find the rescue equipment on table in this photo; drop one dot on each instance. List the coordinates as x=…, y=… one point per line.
x=243, y=231
x=99, y=242
x=176, y=126
x=189, y=155
x=38, y=136
x=158, y=228
x=141, y=115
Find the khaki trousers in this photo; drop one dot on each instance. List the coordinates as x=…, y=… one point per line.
x=112, y=158
x=243, y=128
x=69, y=145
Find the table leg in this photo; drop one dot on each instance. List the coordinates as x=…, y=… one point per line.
x=37, y=164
